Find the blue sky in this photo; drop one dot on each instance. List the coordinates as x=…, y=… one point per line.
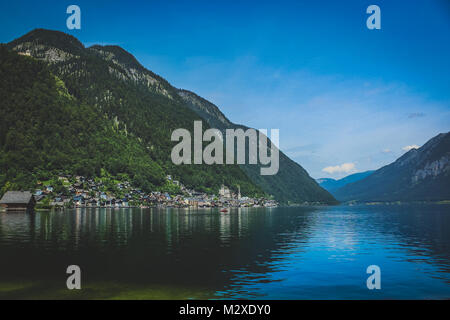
x=345, y=98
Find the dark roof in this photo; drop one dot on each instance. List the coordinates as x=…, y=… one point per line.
x=16, y=197
x=39, y=198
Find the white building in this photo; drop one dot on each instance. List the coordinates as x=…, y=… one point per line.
x=224, y=192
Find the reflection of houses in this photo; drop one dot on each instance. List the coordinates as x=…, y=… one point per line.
x=18, y=200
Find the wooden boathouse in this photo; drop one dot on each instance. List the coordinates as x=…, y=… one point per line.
x=18, y=201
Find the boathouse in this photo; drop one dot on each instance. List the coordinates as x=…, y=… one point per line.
x=18, y=201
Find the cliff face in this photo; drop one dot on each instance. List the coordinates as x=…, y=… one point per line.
x=419, y=175
x=432, y=169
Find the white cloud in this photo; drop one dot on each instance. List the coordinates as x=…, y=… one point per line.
x=345, y=167
x=407, y=148
x=386, y=150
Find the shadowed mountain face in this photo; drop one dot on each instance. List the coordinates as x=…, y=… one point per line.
x=291, y=183
x=141, y=108
x=419, y=175
x=331, y=185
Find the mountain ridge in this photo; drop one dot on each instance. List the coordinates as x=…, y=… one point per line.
x=144, y=96
x=332, y=185
x=421, y=174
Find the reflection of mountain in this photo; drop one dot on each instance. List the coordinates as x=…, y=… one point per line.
x=331, y=185
x=177, y=247
x=419, y=175
x=291, y=253
x=419, y=230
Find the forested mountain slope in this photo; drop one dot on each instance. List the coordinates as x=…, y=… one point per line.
x=134, y=105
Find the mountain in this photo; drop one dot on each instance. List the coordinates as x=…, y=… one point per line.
x=331, y=185
x=80, y=110
x=130, y=113
x=44, y=130
x=421, y=174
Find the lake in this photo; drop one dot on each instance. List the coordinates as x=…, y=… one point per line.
x=254, y=253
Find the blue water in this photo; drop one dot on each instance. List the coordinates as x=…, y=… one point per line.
x=279, y=253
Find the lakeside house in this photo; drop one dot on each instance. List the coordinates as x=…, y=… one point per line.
x=18, y=201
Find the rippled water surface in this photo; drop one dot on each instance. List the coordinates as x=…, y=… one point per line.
x=280, y=253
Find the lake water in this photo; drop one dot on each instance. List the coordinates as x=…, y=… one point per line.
x=278, y=253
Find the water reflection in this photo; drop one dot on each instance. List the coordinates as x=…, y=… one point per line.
x=293, y=253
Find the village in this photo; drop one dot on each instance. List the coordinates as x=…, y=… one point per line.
x=81, y=192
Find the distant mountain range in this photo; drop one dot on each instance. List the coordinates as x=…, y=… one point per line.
x=421, y=174
x=67, y=108
x=331, y=185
